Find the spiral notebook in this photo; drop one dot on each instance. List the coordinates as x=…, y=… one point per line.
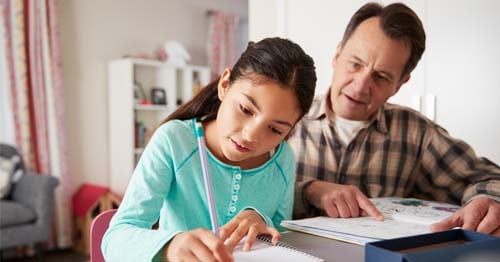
x=263, y=250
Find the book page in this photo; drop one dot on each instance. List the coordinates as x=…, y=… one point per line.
x=414, y=210
x=263, y=251
x=403, y=217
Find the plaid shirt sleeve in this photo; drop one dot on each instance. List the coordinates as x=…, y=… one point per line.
x=451, y=170
x=402, y=153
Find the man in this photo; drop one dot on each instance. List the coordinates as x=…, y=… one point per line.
x=353, y=145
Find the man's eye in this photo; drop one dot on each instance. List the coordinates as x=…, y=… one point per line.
x=244, y=110
x=379, y=77
x=276, y=131
x=355, y=65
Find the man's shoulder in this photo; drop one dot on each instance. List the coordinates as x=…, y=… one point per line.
x=317, y=110
x=395, y=112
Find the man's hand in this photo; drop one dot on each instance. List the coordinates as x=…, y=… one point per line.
x=482, y=214
x=341, y=200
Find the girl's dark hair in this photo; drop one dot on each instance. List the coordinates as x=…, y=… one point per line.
x=398, y=21
x=271, y=59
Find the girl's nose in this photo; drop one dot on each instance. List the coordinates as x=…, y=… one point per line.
x=251, y=132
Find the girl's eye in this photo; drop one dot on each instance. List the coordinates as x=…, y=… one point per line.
x=276, y=131
x=244, y=110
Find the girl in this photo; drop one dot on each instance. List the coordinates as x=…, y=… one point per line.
x=246, y=115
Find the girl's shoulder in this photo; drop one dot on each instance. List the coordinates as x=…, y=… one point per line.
x=286, y=152
x=176, y=125
x=176, y=133
x=284, y=159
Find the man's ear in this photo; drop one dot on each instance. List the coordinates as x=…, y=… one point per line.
x=337, y=54
x=402, y=82
x=223, y=84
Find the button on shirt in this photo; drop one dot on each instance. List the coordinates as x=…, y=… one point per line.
x=400, y=153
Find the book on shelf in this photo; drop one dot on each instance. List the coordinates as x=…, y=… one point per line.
x=263, y=250
x=140, y=134
x=402, y=217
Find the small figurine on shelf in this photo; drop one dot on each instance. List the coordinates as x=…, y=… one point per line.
x=161, y=54
x=176, y=54
x=140, y=97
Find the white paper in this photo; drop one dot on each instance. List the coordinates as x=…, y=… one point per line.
x=263, y=251
x=403, y=217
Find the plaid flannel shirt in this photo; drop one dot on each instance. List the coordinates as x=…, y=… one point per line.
x=401, y=153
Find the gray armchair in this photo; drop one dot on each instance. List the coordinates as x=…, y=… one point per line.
x=26, y=215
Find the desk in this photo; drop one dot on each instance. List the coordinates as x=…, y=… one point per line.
x=328, y=249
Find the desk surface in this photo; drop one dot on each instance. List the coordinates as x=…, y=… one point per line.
x=328, y=249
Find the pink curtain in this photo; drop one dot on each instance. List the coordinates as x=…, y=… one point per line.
x=223, y=41
x=33, y=58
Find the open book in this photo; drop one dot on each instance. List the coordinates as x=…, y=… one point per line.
x=403, y=217
x=263, y=250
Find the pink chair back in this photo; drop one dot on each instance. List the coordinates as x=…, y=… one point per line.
x=97, y=230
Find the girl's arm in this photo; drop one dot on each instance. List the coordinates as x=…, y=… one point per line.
x=130, y=237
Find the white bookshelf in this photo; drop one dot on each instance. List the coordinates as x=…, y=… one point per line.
x=125, y=112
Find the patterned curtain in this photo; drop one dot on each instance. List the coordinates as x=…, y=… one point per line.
x=31, y=52
x=223, y=41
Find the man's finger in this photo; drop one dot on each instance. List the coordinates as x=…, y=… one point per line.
x=331, y=210
x=490, y=222
x=367, y=205
x=496, y=232
x=448, y=223
x=471, y=220
x=352, y=204
x=343, y=208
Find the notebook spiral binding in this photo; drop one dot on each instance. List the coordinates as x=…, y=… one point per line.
x=267, y=239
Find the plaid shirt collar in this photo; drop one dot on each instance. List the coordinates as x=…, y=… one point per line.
x=322, y=109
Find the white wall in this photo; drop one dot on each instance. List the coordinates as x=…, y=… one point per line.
x=93, y=32
x=459, y=67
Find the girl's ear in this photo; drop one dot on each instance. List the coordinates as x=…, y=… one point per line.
x=223, y=85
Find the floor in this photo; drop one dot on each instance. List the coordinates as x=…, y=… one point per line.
x=54, y=256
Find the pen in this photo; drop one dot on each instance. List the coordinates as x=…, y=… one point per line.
x=206, y=177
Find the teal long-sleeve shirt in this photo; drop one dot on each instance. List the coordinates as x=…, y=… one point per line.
x=168, y=185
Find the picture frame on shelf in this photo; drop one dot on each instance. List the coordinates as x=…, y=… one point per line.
x=158, y=96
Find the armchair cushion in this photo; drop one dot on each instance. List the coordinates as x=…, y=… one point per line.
x=26, y=213
x=11, y=169
x=15, y=214
x=36, y=193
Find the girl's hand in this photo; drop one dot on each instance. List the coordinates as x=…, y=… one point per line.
x=248, y=223
x=197, y=245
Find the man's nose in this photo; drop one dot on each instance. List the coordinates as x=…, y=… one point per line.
x=363, y=83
